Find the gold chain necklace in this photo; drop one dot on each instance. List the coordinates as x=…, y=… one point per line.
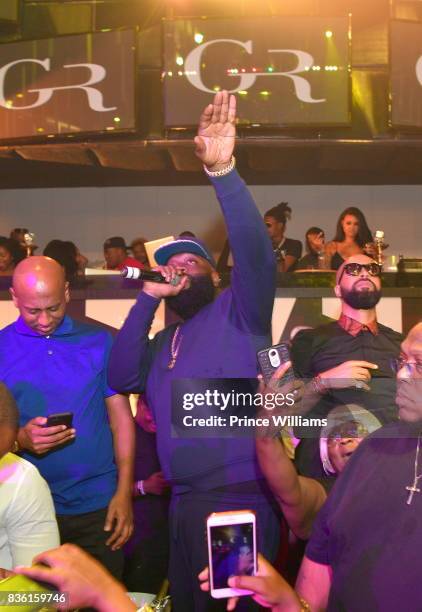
x=413, y=488
x=175, y=347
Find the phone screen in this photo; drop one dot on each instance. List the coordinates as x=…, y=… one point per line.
x=232, y=550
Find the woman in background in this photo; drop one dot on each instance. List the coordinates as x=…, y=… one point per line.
x=11, y=254
x=315, y=250
x=353, y=236
x=67, y=254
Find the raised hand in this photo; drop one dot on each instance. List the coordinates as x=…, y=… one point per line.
x=217, y=132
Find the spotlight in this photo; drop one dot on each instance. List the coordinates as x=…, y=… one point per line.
x=328, y=34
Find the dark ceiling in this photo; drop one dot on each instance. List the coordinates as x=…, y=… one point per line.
x=173, y=162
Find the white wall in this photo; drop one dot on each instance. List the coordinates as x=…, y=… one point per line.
x=89, y=215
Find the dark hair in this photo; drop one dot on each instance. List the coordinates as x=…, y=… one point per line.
x=281, y=212
x=364, y=234
x=18, y=230
x=72, y=247
x=64, y=252
x=139, y=240
x=312, y=230
x=16, y=251
x=187, y=233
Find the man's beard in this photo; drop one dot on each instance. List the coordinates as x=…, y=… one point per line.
x=190, y=301
x=361, y=300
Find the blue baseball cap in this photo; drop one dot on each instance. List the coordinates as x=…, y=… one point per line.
x=183, y=245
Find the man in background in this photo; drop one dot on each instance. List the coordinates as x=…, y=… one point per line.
x=115, y=255
x=349, y=359
x=137, y=246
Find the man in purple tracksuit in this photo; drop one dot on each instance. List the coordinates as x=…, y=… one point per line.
x=219, y=338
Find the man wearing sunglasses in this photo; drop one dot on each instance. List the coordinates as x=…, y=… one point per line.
x=349, y=359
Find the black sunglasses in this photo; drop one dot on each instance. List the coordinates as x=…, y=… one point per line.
x=354, y=269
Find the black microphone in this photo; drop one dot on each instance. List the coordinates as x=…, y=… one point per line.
x=147, y=275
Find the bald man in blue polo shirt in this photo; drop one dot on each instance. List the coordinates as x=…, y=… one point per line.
x=53, y=364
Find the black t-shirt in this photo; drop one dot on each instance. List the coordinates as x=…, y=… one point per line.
x=367, y=533
x=317, y=350
x=290, y=247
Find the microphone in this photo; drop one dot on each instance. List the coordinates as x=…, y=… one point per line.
x=147, y=275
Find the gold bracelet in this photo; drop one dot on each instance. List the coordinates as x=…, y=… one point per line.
x=224, y=171
x=305, y=607
x=16, y=448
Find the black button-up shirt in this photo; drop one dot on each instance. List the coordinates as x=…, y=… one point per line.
x=317, y=350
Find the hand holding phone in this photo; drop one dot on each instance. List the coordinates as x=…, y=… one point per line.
x=271, y=358
x=268, y=587
x=231, y=550
x=38, y=437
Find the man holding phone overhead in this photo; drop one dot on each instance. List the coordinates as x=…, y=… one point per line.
x=218, y=338
x=53, y=364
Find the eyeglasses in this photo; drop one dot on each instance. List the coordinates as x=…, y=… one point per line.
x=354, y=269
x=412, y=367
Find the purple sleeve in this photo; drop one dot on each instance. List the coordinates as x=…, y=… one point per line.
x=253, y=275
x=130, y=355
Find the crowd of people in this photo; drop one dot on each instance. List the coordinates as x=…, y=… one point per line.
x=352, y=237
x=97, y=502
x=67, y=254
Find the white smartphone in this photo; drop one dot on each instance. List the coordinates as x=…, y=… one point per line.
x=231, y=550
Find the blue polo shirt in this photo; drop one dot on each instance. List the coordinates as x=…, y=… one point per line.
x=65, y=372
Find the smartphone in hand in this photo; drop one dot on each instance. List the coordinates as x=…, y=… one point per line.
x=60, y=418
x=273, y=357
x=231, y=550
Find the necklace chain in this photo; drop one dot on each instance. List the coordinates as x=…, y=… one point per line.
x=175, y=347
x=413, y=488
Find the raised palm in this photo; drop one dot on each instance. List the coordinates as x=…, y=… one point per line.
x=217, y=132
